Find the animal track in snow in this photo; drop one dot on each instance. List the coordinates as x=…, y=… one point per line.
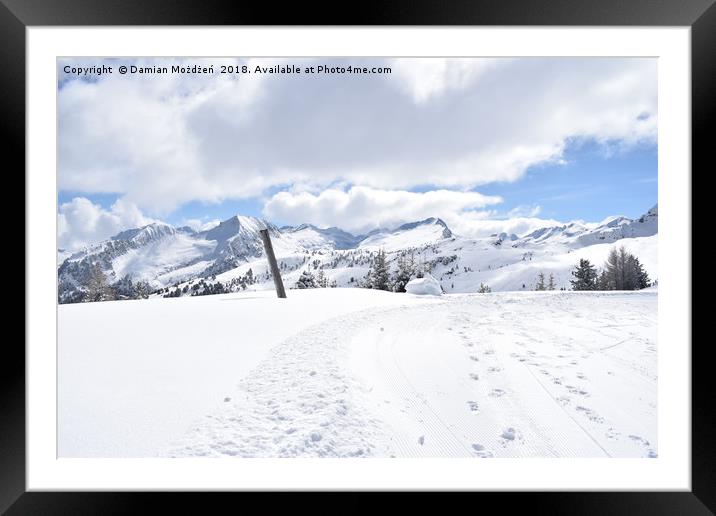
x=474, y=407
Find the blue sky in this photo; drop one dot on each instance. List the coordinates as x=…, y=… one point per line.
x=485, y=144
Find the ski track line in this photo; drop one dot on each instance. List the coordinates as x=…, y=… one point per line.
x=586, y=432
x=451, y=446
x=304, y=399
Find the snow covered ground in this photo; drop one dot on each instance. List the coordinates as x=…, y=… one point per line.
x=359, y=373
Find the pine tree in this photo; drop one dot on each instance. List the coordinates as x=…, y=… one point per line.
x=306, y=280
x=612, y=277
x=484, y=289
x=404, y=273
x=623, y=271
x=642, y=278
x=142, y=289
x=380, y=277
x=97, y=287
x=585, y=276
x=540, y=282
x=322, y=280
x=551, y=285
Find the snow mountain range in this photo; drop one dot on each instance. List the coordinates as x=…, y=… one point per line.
x=231, y=253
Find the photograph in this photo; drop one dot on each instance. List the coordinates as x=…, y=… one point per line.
x=357, y=257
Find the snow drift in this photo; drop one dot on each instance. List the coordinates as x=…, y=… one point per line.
x=425, y=286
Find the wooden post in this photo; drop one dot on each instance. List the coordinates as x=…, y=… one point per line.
x=275, y=272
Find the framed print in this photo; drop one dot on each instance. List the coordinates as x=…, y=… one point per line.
x=443, y=250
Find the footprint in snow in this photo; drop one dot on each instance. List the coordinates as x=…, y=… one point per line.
x=474, y=376
x=509, y=434
x=612, y=434
x=650, y=452
x=496, y=393
x=639, y=440
x=480, y=451
x=421, y=440
x=593, y=416
x=576, y=390
x=473, y=406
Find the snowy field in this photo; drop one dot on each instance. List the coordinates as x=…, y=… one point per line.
x=359, y=373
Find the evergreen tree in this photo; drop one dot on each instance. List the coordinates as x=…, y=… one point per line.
x=540, y=282
x=142, y=290
x=124, y=288
x=380, y=277
x=551, y=285
x=404, y=273
x=585, y=276
x=642, y=278
x=97, y=287
x=484, y=289
x=322, y=281
x=623, y=271
x=306, y=280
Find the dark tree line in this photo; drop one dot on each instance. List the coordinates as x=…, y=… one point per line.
x=622, y=271
x=98, y=288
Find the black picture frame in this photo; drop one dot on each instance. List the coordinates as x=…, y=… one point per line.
x=17, y=15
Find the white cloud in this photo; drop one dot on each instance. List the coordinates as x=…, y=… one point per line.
x=81, y=222
x=363, y=208
x=524, y=211
x=431, y=77
x=478, y=225
x=201, y=225
x=162, y=141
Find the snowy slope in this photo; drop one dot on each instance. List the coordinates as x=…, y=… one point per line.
x=360, y=373
x=414, y=234
x=133, y=374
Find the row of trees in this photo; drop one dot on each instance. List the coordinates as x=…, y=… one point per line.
x=621, y=271
x=550, y=285
x=310, y=280
x=99, y=289
x=380, y=278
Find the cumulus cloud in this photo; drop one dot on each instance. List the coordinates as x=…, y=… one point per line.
x=161, y=141
x=477, y=225
x=363, y=208
x=81, y=222
x=431, y=77
x=201, y=225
